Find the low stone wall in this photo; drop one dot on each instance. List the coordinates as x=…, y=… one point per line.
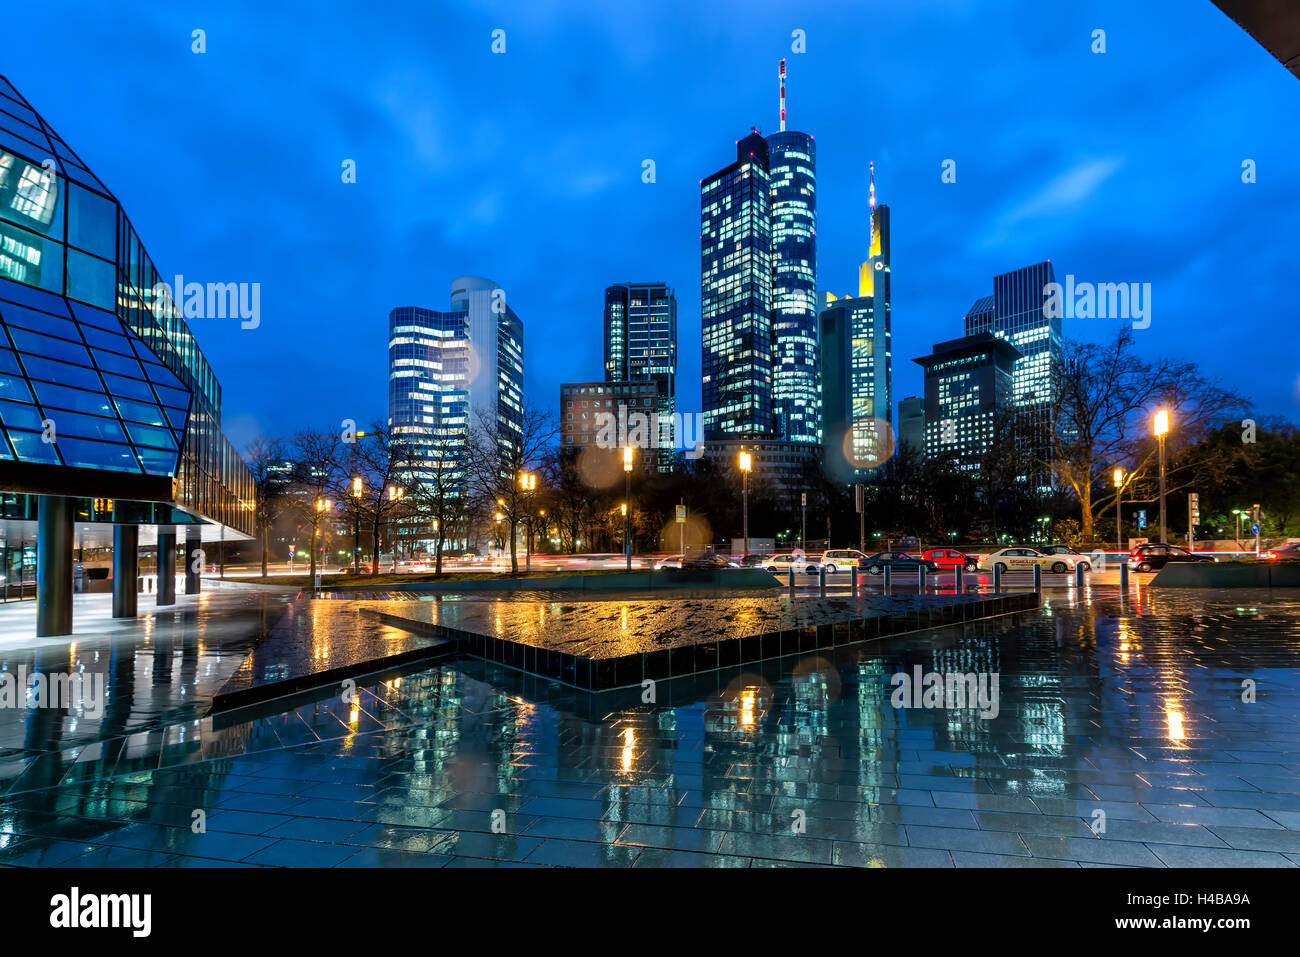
x=637, y=581
x=1259, y=574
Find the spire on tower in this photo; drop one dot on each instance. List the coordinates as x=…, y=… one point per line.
x=782, y=78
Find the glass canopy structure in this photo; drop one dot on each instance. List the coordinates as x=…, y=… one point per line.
x=110, y=416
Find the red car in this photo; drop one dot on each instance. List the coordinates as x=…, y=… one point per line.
x=949, y=558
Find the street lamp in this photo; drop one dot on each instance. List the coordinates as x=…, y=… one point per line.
x=746, y=463
x=627, y=497
x=357, y=484
x=1119, y=534
x=322, y=505
x=528, y=483
x=1161, y=429
x=395, y=494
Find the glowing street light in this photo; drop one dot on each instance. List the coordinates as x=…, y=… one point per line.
x=1119, y=533
x=357, y=486
x=627, y=497
x=1161, y=430
x=746, y=463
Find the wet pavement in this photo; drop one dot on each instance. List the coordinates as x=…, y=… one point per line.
x=1155, y=730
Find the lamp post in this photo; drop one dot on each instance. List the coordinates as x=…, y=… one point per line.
x=746, y=463
x=356, y=524
x=1119, y=533
x=395, y=494
x=1161, y=429
x=528, y=483
x=627, y=498
x=323, y=505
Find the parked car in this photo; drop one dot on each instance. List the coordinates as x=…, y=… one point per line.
x=754, y=560
x=708, y=560
x=1019, y=559
x=836, y=558
x=877, y=563
x=950, y=558
x=672, y=561
x=1154, y=556
x=781, y=564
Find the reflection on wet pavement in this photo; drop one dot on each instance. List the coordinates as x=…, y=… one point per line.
x=1125, y=736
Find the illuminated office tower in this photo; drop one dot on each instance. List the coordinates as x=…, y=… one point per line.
x=641, y=347
x=856, y=359
x=1015, y=312
x=796, y=402
x=736, y=294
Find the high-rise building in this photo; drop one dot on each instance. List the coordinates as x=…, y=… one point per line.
x=736, y=294
x=429, y=390
x=856, y=347
x=792, y=173
x=110, y=416
x=455, y=371
x=1015, y=312
x=968, y=394
x=911, y=422
x=641, y=346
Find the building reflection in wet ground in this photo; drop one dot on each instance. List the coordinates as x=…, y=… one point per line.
x=1155, y=730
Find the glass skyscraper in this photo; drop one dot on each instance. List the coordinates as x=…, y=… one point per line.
x=796, y=399
x=640, y=323
x=1015, y=312
x=450, y=372
x=111, y=414
x=736, y=294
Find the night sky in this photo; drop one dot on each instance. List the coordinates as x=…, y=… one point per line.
x=527, y=167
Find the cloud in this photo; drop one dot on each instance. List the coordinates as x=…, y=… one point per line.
x=1063, y=194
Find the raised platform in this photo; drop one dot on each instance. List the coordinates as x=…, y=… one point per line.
x=605, y=645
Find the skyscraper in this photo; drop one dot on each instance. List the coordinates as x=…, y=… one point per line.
x=736, y=294
x=857, y=361
x=968, y=392
x=796, y=402
x=641, y=346
x=450, y=372
x=1015, y=312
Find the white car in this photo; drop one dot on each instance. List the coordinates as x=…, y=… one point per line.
x=672, y=561
x=1021, y=559
x=781, y=564
x=837, y=558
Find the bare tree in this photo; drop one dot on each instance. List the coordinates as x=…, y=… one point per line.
x=377, y=461
x=496, y=468
x=317, y=464
x=432, y=473
x=269, y=487
x=1106, y=396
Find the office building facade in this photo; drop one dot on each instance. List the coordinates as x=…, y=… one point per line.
x=911, y=422
x=968, y=395
x=451, y=373
x=640, y=323
x=1015, y=312
x=736, y=294
x=609, y=415
x=792, y=177
x=111, y=414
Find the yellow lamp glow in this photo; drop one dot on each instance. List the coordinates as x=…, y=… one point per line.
x=1162, y=422
x=745, y=462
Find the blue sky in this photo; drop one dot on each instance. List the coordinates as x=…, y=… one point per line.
x=526, y=167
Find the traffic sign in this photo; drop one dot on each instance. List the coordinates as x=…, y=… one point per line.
x=1142, y=518
x=681, y=514
x=1254, y=529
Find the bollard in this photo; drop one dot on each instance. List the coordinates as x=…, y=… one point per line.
x=920, y=579
x=956, y=571
x=887, y=580
x=1078, y=575
x=1123, y=576
x=855, y=581
x=1038, y=579
x=997, y=579
x=791, y=579
x=821, y=580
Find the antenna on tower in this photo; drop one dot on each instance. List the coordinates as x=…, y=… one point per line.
x=872, y=167
x=782, y=75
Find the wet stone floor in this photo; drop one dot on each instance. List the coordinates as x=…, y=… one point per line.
x=1123, y=736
